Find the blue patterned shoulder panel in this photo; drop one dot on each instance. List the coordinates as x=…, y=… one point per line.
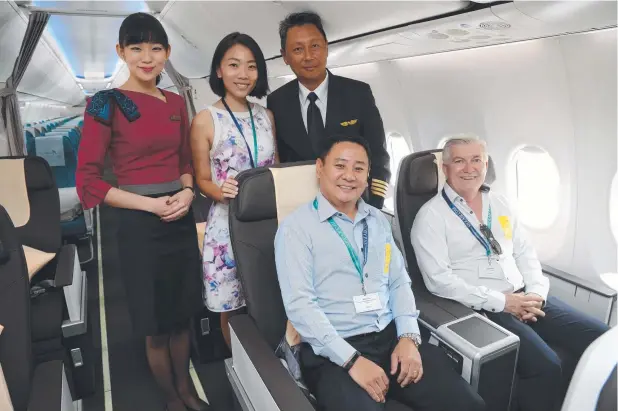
x=102, y=104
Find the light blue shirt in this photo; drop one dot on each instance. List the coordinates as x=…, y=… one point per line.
x=318, y=279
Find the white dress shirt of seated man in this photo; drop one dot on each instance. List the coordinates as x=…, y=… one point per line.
x=343, y=177
x=465, y=162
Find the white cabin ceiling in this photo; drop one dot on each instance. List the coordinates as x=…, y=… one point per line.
x=84, y=45
x=204, y=24
x=500, y=24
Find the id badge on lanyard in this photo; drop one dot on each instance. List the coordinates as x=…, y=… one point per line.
x=472, y=229
x=365, y=302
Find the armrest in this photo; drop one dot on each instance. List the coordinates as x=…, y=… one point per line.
x=436, y=311
x=251, y=353
x=65, y=261
x=593, y=286
x=48, y=391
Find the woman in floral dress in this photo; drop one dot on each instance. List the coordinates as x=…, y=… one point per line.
x=230, y=136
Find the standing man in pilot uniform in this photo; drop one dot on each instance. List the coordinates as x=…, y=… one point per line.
x=319, y=104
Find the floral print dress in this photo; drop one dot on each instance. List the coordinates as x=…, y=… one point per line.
x=229, y=156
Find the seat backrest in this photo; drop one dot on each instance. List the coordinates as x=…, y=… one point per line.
x=593, y=385
x=29, y=194
x=15, y=342
x=420, y=177
x=60, y=152
x=265, y=197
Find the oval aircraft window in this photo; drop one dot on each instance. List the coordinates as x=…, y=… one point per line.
x=536, y=186
x=397, y=148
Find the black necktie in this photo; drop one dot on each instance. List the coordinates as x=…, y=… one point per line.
x=315, y=124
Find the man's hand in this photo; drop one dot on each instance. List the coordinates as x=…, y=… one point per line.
x=524, y=307
x=371, y=378
x=179, y=205
x=406, y=353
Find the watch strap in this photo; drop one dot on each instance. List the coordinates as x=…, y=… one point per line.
x=416, y=338
x=348, y=365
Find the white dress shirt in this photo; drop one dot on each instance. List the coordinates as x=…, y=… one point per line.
x=321, y=91
x=455, y=265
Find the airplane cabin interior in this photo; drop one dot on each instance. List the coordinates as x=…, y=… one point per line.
x=536, y=80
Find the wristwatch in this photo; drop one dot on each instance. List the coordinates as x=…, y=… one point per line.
x=348, y=365
x=416, y=338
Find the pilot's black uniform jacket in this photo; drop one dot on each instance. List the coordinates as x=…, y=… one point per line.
x=351, y=110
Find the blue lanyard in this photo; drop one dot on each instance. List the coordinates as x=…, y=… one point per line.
x=473, y=230
x=255, y=144
x=353, y=255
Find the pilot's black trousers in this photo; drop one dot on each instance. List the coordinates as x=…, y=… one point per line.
x=440, y=388
x=543, y=374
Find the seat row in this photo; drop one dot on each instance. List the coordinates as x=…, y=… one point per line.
x=484, y=353
x=58, y=144
x=45, y=346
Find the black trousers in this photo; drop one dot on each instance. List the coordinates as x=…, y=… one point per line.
x=440, y=388
x=543, y=375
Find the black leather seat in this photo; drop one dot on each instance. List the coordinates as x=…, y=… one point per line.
x=31, y=386
x=266, y=195
x=420, y=176
x=32, y=201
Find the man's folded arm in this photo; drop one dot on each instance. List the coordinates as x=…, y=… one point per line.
x=294, y=263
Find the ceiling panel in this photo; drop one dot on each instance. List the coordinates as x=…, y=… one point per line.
x=203, y=24
x=88, y=43
x=497, y=25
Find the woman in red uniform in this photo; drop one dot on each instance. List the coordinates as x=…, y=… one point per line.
x=145, y=130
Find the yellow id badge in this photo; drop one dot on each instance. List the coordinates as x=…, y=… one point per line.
x=387, y=258
x=506, y=226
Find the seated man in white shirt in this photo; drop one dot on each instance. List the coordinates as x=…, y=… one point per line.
x=471, y=248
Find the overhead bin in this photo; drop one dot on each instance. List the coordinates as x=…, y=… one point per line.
x=184, y=22
x=46, y=76
x=569, y=15
x=479, y=27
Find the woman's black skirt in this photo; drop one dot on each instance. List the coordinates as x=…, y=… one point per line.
x=161, y=268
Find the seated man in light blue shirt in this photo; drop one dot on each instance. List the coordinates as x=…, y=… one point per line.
x=347, y=293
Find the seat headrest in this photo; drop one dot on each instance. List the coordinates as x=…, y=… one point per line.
x=425, y=174
x=274, y=192
x=255, y=200
x=38, y=174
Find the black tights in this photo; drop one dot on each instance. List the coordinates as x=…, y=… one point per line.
x=168, y=357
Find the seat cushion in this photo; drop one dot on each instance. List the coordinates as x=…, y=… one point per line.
x=5, y=398
x=36, y=260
